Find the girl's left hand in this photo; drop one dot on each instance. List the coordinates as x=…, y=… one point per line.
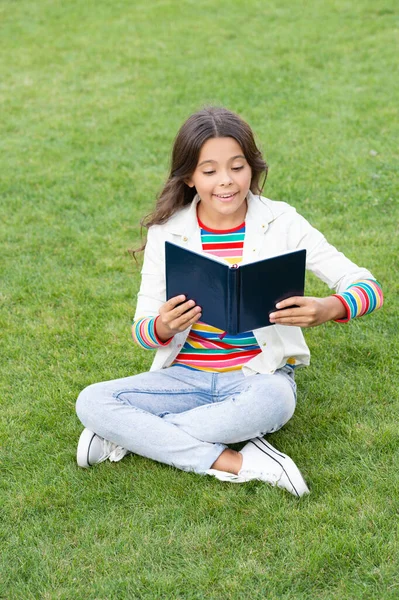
x=308, y=311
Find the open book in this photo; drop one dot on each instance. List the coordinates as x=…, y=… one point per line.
x=235, y=298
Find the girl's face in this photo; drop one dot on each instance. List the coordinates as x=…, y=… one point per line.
x=222, y=179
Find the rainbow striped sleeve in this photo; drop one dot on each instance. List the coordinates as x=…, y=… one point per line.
x=144, y=333
x=361, y=298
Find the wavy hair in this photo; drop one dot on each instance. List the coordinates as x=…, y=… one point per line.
x=210, y=122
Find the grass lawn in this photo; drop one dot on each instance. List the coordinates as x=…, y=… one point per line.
x=91, y=97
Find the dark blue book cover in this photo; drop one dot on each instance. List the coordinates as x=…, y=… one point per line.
x=234, y=299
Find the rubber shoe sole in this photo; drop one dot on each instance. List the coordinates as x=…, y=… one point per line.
x=86, y=440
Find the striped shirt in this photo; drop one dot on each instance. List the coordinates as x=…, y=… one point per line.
x=227, y=243
x=208, y=348
x=361, y=298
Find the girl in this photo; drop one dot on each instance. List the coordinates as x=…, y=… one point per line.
x=207, y=389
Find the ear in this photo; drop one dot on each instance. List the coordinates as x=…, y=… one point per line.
x=189, y=182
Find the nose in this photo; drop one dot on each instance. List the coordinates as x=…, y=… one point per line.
x=225, y=179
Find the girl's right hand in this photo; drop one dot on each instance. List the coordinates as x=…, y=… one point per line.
x=176, y=315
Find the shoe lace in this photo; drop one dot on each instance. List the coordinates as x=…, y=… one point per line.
x=113, y=451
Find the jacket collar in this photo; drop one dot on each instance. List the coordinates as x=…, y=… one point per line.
x=257, y=219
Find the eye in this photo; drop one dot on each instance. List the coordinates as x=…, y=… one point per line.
x=237, y=168
x=208, y=172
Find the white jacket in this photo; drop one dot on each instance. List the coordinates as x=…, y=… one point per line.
x=271, y=228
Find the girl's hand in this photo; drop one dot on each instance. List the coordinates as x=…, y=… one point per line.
x=308, y=311
x=176, y=315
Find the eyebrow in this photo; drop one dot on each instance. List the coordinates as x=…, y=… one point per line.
x=213, y=161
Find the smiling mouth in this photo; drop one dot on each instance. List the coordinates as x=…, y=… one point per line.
x=224, y=197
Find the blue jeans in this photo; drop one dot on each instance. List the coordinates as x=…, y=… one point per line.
x=185, y=418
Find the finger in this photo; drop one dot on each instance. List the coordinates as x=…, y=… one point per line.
x=294, y=300
x=181, y=309
x=292, y=323
x=173, y=312
x=283, y=320
x=175, y=301
x=287, y=313
x=184, y=319
x=195, y=318
x=295, y=317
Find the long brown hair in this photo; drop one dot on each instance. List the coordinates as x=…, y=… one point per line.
x=210, y=122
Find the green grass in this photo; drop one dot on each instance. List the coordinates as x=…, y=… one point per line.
x=91, y=97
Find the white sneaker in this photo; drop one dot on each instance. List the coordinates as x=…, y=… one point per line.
x=93, y=449
x=262, y=461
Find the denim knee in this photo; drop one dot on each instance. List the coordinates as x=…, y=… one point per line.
x=86, y=403
x=279, y=406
